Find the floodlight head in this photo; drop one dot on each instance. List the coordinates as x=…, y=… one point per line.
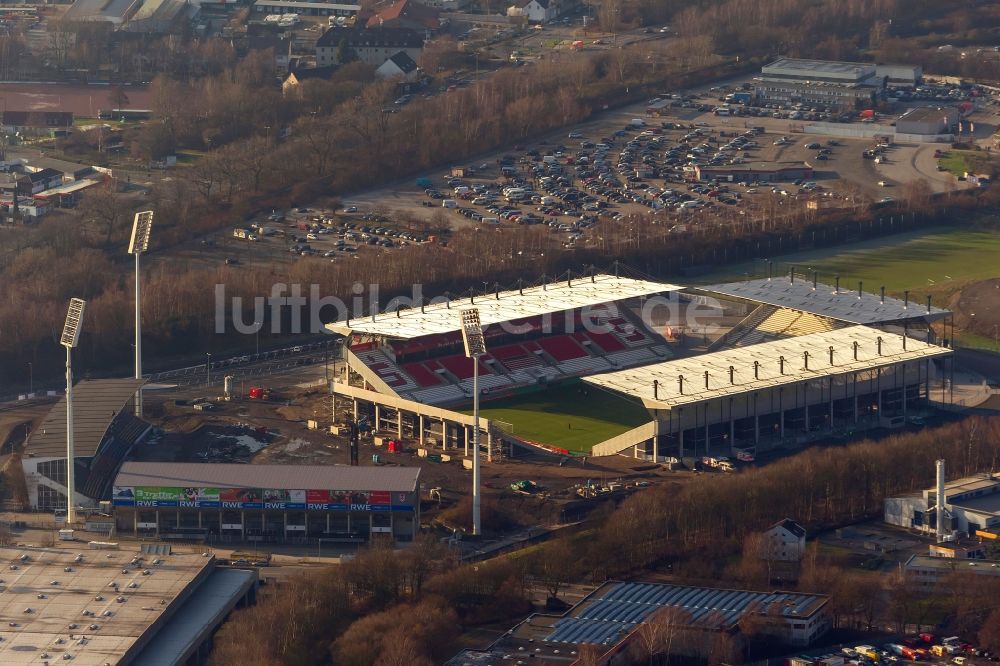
x=472, y=333
x=141, y=227
x=74, y=319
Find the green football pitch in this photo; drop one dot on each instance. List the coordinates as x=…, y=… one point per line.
x=572, y=416
x=924, y=261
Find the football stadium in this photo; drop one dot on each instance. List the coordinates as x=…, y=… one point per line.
x=605, y=365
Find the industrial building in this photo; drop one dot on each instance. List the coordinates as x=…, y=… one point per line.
x=971, y=504
x=306, y=8
x=899, y=76
x=101, y=605
x=755, y=172
x=928, y=120
x=611, y=616
x=273, y=503
x=838, y=85
x=115, y=12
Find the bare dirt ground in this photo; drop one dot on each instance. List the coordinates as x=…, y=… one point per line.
x=977, y=307
x=82, y=100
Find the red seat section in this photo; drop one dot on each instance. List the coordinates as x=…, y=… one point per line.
x=607, y=341
x=461, y=367
x=510, y=351
x=562, y=348
x=421, y=374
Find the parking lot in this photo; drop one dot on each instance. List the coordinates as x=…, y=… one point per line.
x=621, y=165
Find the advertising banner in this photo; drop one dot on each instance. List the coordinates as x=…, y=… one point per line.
x=284, y=499
x=256, y=498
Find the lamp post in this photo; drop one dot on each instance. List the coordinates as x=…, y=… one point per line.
x=475, y=346
x=208, y=368
x=138, y=244
x=70, y=338
x=31, y=378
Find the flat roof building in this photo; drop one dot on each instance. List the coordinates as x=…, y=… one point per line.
x=95, y=607
x=267, y=502
x=823, y=82
x=928, y=120
x=924, y=572
x=972, y=504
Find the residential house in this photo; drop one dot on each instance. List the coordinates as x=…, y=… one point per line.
x=295, y=77
x=399, y=65
x=32, y=182
x=406, y=14
x=784, y=542
x=536, y=11
x=279, y=44
x=370, y=45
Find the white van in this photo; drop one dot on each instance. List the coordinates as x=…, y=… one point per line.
x=449, y=203
x=491, y=220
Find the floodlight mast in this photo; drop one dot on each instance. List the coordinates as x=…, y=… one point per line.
x=475, y=346
x=138, y=244
x=70, y=338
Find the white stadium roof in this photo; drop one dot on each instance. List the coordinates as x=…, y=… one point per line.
x=825, y=300
x=638, y=382
x=555, y=297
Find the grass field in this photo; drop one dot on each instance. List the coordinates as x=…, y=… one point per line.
x=956, y=161
x=564, y=417
x=923, y=262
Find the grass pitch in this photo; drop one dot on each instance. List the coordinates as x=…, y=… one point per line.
x=923, y=262
x=565, y=417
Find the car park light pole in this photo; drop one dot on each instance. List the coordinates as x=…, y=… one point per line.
x=475, y=346
x=139, y=243
x=70, y=338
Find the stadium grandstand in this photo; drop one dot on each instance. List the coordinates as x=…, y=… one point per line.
x=408, y=368
x=105, y=430
x=791, y=359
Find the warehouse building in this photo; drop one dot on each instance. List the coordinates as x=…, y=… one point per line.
x=103, y=605
x=971, y=504
x=755, y=172
x=834, y=84
x=273, y=503
x=928, y=120
x=899, y=76
x=612, y=616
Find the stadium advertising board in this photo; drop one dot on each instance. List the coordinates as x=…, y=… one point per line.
x=258, y=498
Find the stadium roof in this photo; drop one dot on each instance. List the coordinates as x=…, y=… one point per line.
x=278, y=477
x=69, y=587
x=638, y=382
x=616, y=608
x=95, y=404
x=826, y=301
x=442, y=317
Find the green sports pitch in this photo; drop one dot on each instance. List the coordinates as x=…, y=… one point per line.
x=573, y=416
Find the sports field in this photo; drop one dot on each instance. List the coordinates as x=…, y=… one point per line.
x=572, y=416
x=923, y=262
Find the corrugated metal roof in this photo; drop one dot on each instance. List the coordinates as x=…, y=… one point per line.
x=638, y=382
x=442, y=317
x=617, y=608
x=826, y=300
x=95, y=405
x=278, y=477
